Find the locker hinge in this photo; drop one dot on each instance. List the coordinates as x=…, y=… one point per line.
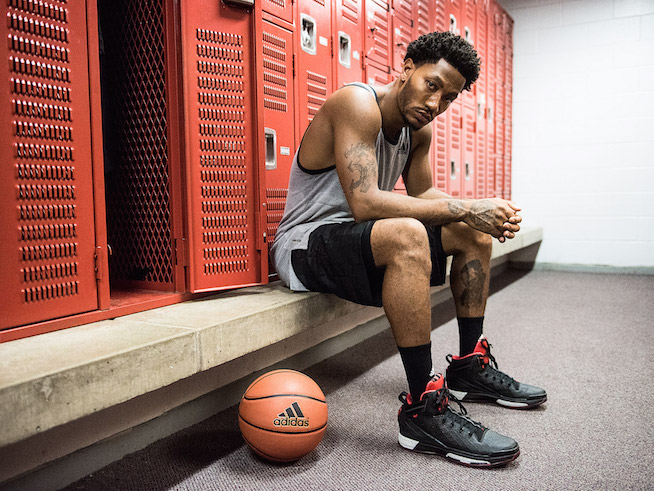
x=181, y=258
x=98, y=257
x=293, y=63
x=331, y=47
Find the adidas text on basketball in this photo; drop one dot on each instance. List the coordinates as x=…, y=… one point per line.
x=432, y=426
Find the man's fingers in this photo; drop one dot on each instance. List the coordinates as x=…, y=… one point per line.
x=513, y=205
x=512, y=227
x=515, y=219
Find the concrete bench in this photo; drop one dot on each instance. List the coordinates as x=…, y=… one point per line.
x=66, y=390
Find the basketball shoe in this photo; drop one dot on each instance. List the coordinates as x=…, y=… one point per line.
x=476, y=377
x=431, y=426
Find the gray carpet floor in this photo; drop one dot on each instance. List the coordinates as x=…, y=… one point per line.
x=586, y=338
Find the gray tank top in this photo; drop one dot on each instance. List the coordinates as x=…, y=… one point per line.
x=316, y=198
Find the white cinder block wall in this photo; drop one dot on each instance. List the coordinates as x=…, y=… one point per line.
x=583, y=128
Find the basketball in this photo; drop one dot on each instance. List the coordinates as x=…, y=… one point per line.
x=283, y=415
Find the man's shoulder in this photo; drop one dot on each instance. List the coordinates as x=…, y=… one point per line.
x=354, y=104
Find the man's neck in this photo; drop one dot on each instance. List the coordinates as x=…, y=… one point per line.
x=392, y=121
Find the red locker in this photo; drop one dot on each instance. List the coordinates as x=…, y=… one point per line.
x=221, y=147
x=423, y=19
x=377, y=75
x=282, y=9
x=378, y=40
x=313, y=53
x=348, y=42
x=455, y=148
x=468, y=25
x=49, y=218
x=402, y=36
x=278, y=130
x=481, y=95
x=404, y=9
x=439, y=145
x=468, y=153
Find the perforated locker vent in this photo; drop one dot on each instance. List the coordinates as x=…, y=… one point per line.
x=136, y=147
x=316, y=92
x=275, y=91
x=350, y=10
x=276, y=199
x=222, y=152
x=44, y=160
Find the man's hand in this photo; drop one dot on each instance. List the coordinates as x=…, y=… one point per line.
x=494, y=216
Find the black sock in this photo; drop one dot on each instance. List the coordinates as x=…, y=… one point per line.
x=417, y=365
x=470, y=328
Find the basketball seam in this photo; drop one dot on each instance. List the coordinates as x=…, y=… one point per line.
x=282, y=395
x=283, y=432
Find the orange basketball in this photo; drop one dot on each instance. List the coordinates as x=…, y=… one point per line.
x=283, y=415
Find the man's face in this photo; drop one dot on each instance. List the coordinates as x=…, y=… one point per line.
x=427, y=91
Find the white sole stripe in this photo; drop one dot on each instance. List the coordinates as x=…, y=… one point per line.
x=502, y=402
x=406, y=442
x=458, y=394
x=467, y=460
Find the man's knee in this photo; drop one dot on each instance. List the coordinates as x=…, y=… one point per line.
x=401, y=240
x=458, y=237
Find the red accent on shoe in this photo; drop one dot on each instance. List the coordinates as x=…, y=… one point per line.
x=480, y=349
x=436, y=383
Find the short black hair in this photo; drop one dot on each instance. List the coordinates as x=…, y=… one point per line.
x=429, y=48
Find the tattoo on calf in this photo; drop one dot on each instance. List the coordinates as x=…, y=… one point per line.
x=473, y=279
x=362, y=159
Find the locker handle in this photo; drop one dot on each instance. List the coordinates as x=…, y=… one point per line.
x=308, y=33
x=270, y=136
x=344, y=49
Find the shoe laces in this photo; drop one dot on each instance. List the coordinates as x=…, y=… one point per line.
x=441, y=400
x=491, y=369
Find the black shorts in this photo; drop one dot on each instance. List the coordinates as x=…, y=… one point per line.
x=339, y=260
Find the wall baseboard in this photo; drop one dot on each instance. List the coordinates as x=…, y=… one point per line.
x=583, y=268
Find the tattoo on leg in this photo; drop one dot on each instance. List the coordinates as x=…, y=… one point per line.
x=474, y=279
x=362, y=160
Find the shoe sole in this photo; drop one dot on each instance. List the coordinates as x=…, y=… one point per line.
x=416, y=446
x=467, y=396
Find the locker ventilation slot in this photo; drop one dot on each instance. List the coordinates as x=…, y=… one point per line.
x=223, y=172
x=44, y=160
x=275, y=92
x=276, y=199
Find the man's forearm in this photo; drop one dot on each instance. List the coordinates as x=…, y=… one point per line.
x=433, y=193
x=386, y=204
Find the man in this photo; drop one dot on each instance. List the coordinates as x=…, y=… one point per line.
x=345, y=232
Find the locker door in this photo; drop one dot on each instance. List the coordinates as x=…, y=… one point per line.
x=278, y=120
x=46, y=185
x=313, y=54
x=481, y=94
x=378, y=36
x=377, y=76
x=279, y=8
x=423, y=18
x=348, y=42
x=402, y=36
x=468, y=32
x=439, y=145
x=455, y=150
x=508, y=103
x=221, y=135
x=468, y=172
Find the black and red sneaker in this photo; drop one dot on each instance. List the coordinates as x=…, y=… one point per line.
x=432, y=426
x=476, y=377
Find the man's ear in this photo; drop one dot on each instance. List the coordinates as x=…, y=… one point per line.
x=407, y=67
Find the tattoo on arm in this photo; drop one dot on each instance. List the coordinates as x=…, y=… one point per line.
x=474, y=280
x=482, y=214
x=455, y=206
x=362, y=159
